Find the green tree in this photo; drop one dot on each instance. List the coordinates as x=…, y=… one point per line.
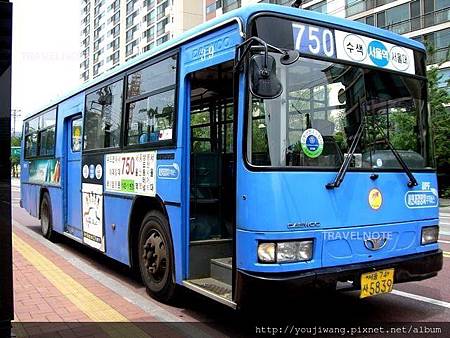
x=15, y=141
x=15, y=160
x=439, y=99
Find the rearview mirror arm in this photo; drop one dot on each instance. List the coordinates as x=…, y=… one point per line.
x=239, y=57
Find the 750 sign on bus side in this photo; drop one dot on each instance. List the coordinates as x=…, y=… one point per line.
x=132, y=173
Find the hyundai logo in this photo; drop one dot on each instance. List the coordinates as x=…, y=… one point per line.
x=374, y=244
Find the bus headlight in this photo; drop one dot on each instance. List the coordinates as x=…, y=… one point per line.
x=285, y=252
x=294, y=251
x=430, y=235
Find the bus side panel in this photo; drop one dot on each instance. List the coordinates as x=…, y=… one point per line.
x=56, y=199
x=30, y=198
x=168, y=187
x=178, y=238
x=116, y=227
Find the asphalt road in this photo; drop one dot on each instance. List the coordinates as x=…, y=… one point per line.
x=425, y=301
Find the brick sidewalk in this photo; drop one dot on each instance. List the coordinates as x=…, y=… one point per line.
x=48, y=288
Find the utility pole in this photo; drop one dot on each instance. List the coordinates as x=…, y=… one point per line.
x=15, y=114
x=6, y=280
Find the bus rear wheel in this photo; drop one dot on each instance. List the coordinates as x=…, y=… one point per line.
x=46, y=217
x=156, y=257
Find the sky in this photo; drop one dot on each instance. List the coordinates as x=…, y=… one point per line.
x=46, y=52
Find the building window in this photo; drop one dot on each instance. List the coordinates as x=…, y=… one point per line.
x=353, y=7
x=114, y=6
x=444, y=80
x=148, y=47
x=151, y=17
x=397, y=19
x=103, y=117
x=162, y=39
x=320, y=7
x=161, y=27
x=211, y=8
x=161, y=10
x=115, y=18
x=229, y=5
x=130, y=6
x=129, y=49
x=436, y=12
x=415, y=15
x=130, y=19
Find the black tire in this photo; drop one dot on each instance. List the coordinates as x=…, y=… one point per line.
x=156, y=257
x=46, y=218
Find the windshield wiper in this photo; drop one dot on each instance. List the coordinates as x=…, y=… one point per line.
x=412, y=180
x=344, y=167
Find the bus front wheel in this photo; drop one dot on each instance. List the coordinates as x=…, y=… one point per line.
x=156, y=257
x=46, y=217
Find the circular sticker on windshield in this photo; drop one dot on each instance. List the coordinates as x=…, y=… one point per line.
x=312, y=143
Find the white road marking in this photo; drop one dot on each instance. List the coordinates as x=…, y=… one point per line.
x=446, y=233
x=442, y=241
x=421, y=298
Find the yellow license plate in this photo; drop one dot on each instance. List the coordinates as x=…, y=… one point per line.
x=377, y=282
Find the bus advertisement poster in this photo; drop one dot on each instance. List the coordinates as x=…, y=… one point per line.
x=93, y=216
x=45, y=171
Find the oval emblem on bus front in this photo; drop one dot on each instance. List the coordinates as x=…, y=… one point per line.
x=375, y=199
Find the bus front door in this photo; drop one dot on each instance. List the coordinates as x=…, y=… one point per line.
x=72, y=226
x=212, y=182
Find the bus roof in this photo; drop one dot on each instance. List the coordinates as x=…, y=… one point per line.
x=240, y=16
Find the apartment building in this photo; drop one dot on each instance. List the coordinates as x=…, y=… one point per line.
x=114, y=31
x=425, y=20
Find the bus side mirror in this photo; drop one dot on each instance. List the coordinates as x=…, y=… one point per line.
x=264, y=83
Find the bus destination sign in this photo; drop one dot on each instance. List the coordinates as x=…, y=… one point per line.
x=326, y=42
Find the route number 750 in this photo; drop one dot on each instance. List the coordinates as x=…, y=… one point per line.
x=313, y=40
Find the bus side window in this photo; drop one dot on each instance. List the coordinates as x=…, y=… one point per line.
x=40, y=135
x=151, y=104
x=31, y=145
x=76, y=134
x=103, y=117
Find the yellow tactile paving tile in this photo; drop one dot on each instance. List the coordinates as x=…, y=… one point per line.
x=95, y=308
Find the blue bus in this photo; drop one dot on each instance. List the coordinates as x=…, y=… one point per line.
x=271, y=145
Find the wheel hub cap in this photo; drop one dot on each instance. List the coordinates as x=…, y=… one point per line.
x=155, y=256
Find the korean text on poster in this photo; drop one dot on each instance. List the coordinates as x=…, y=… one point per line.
x=131, y=173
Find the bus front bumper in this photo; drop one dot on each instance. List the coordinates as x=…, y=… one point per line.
x=407, y=268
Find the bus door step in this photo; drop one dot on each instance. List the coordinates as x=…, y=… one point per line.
x=221, y=269
x=212, y=288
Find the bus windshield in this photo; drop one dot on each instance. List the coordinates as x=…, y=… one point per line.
x=314, y=121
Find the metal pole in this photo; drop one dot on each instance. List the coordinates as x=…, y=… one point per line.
x=15, y=115
x=6, y=280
